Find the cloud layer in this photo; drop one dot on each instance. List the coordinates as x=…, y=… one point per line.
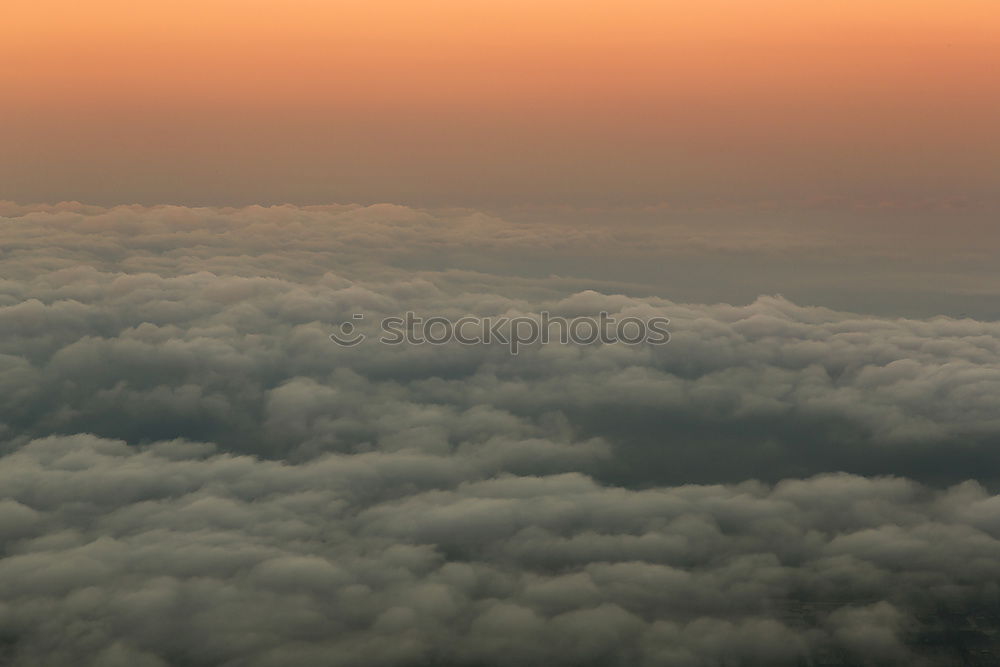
x=174, y=554
x=194, y=474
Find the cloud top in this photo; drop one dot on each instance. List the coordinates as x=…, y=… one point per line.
x=194, y=474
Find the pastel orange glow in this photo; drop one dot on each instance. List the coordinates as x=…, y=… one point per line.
x=471, y=100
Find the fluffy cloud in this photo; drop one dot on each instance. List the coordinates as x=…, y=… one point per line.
x=173, y=554
x=193, y=473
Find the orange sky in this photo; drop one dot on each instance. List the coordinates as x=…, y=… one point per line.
x=482, y=101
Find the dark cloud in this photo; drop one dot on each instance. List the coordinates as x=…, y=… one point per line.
x=194, y=474
x=173, y=554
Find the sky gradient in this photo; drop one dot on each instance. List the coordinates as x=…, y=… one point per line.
x=492, y=104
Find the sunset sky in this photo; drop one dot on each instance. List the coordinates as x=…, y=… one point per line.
x=448, y=102
x=214, y=212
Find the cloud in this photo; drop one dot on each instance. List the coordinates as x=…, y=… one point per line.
x=173, y=553
x=193, y=473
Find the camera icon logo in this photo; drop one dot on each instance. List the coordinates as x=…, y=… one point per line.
x=347, y=337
